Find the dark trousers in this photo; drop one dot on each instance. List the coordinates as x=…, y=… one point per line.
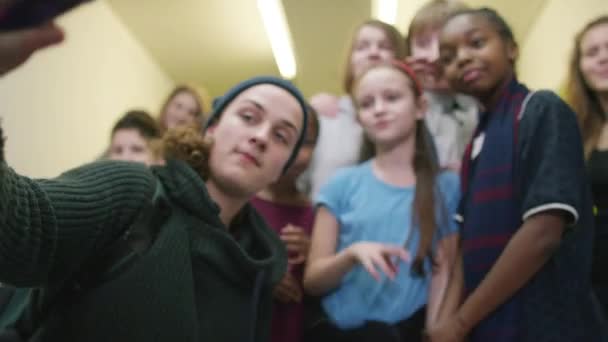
x=599, y=277
x=409, y=330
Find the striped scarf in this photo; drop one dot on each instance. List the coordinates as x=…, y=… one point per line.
x=489, y=209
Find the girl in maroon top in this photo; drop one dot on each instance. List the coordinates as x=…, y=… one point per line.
x=289, y=212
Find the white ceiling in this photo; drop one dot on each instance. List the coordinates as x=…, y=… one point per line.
x=216, y=43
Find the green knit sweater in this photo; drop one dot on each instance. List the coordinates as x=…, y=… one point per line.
x=196, y=283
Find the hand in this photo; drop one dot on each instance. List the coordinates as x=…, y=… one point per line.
x=451, y=329
x=455, y=166
x=325, y=104
x=383, y=256
x=297, y=242
x=17, y=46
x=288, y=290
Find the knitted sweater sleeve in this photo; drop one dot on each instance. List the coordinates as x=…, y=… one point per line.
x=49, y=228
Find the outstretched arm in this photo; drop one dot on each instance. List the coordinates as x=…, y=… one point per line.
x=17, y=46
x=326, y=267
x=48, y=228
x=446, y=287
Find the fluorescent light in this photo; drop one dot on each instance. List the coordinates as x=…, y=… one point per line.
x=385, y=10
x=277, y=31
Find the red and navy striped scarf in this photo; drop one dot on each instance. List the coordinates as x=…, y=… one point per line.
x=490, y=210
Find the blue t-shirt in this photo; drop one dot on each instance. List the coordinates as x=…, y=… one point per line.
x=367, y=209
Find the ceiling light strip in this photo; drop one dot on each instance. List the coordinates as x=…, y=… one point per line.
x=275, y=23
x=385, y=10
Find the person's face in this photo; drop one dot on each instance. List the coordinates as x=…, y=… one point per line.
x=476, y=59
x=388, y=106
x=594, y=58
x=128, y=145
x=182, y=110
x=425, y=45
x=424, y=48
x=371, y=46
x=253, y=139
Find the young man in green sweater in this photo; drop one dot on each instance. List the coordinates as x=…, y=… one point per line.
x=211, y=269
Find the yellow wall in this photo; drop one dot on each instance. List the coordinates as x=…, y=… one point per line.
x=546, y=52
x=57, y=110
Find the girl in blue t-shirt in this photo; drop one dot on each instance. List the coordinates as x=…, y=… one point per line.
x=383, y=250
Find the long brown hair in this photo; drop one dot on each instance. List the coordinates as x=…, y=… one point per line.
x=425, y=169
x=583, y=100
x=392, y=34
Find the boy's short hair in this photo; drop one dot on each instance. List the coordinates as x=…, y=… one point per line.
x=139, y=120
x=432, y=16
